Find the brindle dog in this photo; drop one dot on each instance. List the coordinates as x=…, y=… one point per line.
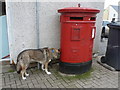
x=42, y=56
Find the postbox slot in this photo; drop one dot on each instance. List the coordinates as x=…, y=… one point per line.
x=93, y=18
x=76, y=18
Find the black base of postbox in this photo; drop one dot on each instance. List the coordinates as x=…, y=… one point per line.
x=74, y=68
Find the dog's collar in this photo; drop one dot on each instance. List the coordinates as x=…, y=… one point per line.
x=53, y=51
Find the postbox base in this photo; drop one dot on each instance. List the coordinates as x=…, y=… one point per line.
x=74, y=68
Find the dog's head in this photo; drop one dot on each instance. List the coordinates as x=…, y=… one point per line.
x=55, y=53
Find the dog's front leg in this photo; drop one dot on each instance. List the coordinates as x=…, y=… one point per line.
x=46, y=67
x=26, y=74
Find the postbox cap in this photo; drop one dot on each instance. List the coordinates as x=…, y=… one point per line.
x=78, y=9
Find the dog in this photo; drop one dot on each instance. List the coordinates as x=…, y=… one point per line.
x=42, y=56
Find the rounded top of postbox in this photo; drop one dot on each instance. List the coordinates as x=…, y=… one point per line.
x=78, y=9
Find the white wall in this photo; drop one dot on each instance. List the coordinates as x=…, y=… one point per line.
x=23, y=25
x=21, y=21
x=111, y=13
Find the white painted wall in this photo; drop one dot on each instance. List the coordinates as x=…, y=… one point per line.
x=111, y=13
x=23, y=26
x=21, y=21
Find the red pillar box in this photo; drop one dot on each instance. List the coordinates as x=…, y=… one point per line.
x=77, y=35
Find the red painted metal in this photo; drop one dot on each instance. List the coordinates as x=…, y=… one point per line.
x=78, y=9
x=77, y=34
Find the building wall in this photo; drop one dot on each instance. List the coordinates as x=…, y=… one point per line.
x=21, y=21
x=28, y=29
x=106, y=14
x=111, y=14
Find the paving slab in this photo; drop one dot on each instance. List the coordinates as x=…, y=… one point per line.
x=100, y=77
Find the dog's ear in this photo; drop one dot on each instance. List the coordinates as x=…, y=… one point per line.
x=59, y=50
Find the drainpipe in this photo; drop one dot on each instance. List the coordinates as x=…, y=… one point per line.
x=37, y=28
x=37, y=24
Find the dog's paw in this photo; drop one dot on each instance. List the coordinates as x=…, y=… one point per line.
x=24, y=78
x=48, y=73
x=26, y=74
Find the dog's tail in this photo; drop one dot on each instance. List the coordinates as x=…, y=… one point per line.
x=18, y=68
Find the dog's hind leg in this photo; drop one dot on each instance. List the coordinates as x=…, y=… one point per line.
x=23, y=73
x=26, y=74
x=42, y=67
x=46, y=67
x=26, y=66
x=38, y=65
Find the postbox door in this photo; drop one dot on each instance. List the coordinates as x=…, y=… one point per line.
x=75, y=33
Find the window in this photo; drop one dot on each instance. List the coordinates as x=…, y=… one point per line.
x=113, y=15
x=2, y=8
